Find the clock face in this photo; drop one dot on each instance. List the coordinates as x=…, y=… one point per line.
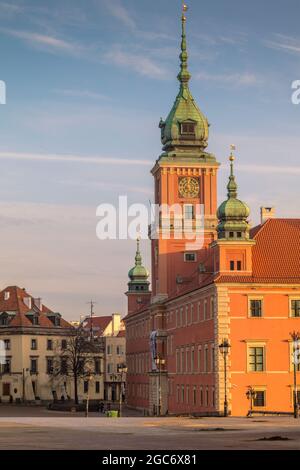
x=189, y=187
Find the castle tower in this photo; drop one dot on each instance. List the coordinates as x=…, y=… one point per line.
x=138, y=293
x=184, y=175
x=233, y=249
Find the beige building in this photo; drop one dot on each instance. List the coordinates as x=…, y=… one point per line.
x=32, y=338
x=111, y=331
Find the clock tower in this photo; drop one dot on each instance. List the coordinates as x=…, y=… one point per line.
x=185, y=175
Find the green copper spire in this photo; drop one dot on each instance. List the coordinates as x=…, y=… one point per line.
x=233, y=213
x=184, y=75
x=138, y=275
x=185, y=131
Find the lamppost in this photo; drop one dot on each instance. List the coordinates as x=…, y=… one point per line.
x=251, y=395
x=122, y=369
x=224, y=350
x=89, y=379
x=159, y=361
x=295, y=335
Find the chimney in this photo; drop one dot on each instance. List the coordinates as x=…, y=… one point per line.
x=266, y=213
x=38, y=303
x=27, y=302
x=116, y=320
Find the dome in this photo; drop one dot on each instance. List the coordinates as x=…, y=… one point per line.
x=138, y=272
x=138, y=275
x=233, y=209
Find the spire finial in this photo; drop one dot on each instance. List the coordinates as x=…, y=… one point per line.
x=138, y=257
x=232, y=186
x=184, y=75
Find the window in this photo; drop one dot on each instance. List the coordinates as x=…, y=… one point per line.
x=239, y=234
x=182, y=393
x=201, y=396
x=192, y=359
x=6, y=295
x=213, y=359
x=231, y=234
x=255, y=308
x=188, y=212
x=177, y=361
x=199, y=359
x=190, y=257
x=97, y=387
x=110, y=368
x=49, y=344
x=63, y=366
x=6, y=389
x=4, y=319
x=33, y=344
x=109, y=349
x=256, y=359
x=63, y=344
x=188, y=128
x=207, y=397
x=85, y=386
x=231, y=265
x=295, y=308
x=260, y=398
x=49, y=365
x=206, y=359
x=7, y=366
x=33, y=366
x=97, y=366
x=239, y=265
x=194, y=395
x=119, y=350
x=7, y=344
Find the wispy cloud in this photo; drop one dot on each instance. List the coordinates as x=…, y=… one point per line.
x=118, y=11
x=139, y=63
x=235, y=79
x=9, y=8
x=72, y=158
x=81, y=94
x=284, y=43
x=44, y=41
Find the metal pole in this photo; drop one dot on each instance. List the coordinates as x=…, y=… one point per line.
x=296, y=407
x=159, y=389
x=225, y=385
x=120, y=411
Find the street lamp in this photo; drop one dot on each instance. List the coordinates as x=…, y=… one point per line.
x=159, y=361
x=251, y=395
x=295, y=335
x=224, y=350
x=89, y=378
x=122, y=369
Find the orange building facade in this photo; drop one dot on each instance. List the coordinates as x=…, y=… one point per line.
x=238, y=285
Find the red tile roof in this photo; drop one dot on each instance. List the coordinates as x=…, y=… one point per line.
x=99, y=324
x=16, y=304
x=121, y=334
x=276, y=255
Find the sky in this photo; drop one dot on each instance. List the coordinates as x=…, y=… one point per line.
x=87, y=82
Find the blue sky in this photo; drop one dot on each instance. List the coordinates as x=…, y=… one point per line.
x=87, y=82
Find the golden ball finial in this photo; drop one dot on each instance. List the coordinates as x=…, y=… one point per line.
x=232, y=157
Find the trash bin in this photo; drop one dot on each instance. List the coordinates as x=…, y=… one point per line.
x=112, y=414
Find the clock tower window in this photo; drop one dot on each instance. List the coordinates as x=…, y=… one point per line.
x=188, y=128
x=189, y=212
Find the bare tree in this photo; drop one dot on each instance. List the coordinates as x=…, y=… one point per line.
x=76, y=359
